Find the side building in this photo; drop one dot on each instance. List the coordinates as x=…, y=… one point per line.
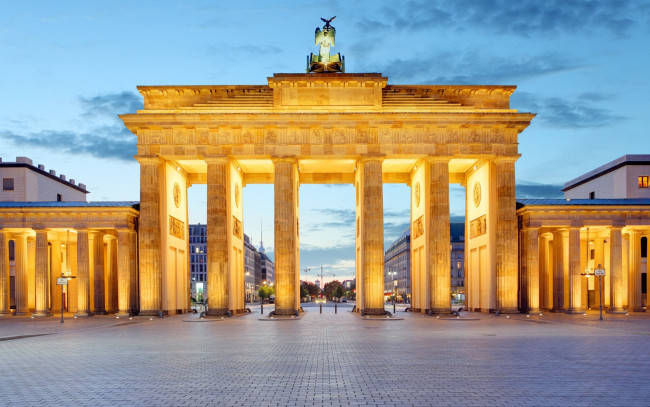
x=397, y=265
x=198, y=262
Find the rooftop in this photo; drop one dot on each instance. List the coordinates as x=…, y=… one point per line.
x=28, y=163
x=582, y=202
x=628, y=159
x=71, y=204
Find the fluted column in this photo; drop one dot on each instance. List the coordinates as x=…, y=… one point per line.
x=83, y=274
x=285, y=235
x=372, y=238
x=506, y=236
x=123, y=272
x=98, y=274
x=532, y=269
x=217, y=239
x=558, y=271
x=439, y=238
x=4, y=274
x=41, y=270
x=110, y=274
x=617, y=287
x=544, y=278
x=634, y=281
x=575, y=285
x=21, y=258
x=133, y=271
x=150, y=236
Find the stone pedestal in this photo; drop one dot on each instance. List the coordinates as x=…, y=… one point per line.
x=217, y=240
x=575, y=285
x=439, y=236
x=286, y=232
x=83, y=274
x=506, y=236
x=372, y=237
x=41, y=280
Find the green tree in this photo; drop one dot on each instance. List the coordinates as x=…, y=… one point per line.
x=338, y=292
x=330, y=287
x=303, y=291
x=312, y=288
x=265, y=291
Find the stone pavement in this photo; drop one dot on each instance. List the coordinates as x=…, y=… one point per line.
x=327, y=360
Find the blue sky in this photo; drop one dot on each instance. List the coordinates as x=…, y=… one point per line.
x=67, y=68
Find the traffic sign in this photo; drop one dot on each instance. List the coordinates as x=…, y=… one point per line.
x=599, y=272
x=62, y=281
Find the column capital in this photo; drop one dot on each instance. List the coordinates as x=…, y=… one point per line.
x=505, y=159
x=148, y=159
x=216, y=159
x=437, y=158
x=284, y=159
x=371, y=157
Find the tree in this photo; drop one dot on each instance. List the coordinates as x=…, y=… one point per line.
x=338, y=292
x=303, y=291
x=330, y=287
x=265, y=291
x=312, y=289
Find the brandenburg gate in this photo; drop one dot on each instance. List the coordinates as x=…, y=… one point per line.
x=319, y=128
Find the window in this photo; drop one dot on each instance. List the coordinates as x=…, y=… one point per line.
x=12, y=250
x=458, y=265
x=7, y=184
x=592, y=195
x=59, y=197
x=643, y=181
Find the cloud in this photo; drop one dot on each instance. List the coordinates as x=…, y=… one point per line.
x=102, y=142
x=565, y=113
x=105, y=137
x=524, y=18
x=532, y=190
x=472, y=67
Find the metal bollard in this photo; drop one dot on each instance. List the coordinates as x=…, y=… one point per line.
x=335, y=307
x=321, y=308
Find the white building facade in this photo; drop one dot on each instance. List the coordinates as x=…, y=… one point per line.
x=627, y=177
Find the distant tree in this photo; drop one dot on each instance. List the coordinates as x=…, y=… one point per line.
x=265, y=291
x=338, y=292
x=312, y=288
x=330, y=287
x=304, y=292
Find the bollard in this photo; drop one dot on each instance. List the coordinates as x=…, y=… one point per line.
x=393, y=307
x=321, y=308
x=335, y=307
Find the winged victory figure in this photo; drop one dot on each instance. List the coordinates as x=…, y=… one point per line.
x=324, y=61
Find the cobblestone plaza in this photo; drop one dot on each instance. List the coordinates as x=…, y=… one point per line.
x=327, y=360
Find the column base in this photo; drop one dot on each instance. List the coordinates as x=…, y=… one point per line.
x=509, y=310
x=5, y=313
x=439, y=311
x=286, y=311
x=123, y=314
x=616, y=311
x=638, y=309
x=40, y=314
x=576, y=311
x=151, y=313
x=534, y=310
x=557, y=310
x=83, y=314
x=218, y=312
x=22, y=313
x=374, y=311
x=101, y=312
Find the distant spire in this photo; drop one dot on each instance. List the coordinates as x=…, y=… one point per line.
x=261, y=250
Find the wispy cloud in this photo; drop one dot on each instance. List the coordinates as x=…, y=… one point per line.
x=104, y=137
x=581, y=112
x=524, y=18
x=531, y=190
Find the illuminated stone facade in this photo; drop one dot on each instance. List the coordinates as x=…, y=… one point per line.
x=330, y=128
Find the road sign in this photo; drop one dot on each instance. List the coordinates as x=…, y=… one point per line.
x=62, y=281
x=599, y=272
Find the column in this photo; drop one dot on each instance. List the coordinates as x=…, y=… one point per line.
x=634, y=281
x=575, y=285
x=83, y=274
x=617, y=287
x=150, y=236
x=133, y=271
x=439, y=239
x=123, y=272
x=98, y=270
x=41, y=278
x=372, y=237
x=506, y=236
x=21, y=256
x=286, y=223
x=532, y=269
x=544, y=269
x=4, y=274
x=558, y=271
x=217, y=239
x=111, y=278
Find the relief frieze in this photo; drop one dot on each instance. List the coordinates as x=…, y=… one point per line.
x=418, y=227
x=237, y=229
x=176, y=227
x=478, y=227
